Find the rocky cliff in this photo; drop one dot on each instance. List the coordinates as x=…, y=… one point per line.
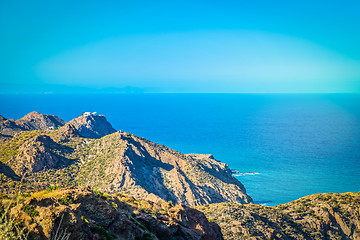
x=80, y=213
x=319, y=216
x=92, y=126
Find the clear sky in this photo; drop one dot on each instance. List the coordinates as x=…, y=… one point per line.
x=179, y=46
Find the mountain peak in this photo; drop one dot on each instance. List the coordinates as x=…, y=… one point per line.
x=30, y=115
x=91, y=125
x=38, y=121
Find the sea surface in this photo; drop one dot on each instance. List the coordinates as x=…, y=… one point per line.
x=299, y=144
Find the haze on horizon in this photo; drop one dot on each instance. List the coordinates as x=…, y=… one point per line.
x=185, y=47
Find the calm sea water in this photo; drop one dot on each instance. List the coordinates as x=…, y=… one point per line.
x=300, y=144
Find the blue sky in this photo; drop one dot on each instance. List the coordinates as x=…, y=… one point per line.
x=179, y=46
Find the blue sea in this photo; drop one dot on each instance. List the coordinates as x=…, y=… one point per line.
x=300, y=144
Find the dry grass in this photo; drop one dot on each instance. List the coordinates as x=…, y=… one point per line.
x=10, y=229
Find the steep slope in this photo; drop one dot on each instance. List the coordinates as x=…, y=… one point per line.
x=319, y=216
x=84, y=214
x=33, y=151
x=119, y=162
x=127, y=163
x=92, y=126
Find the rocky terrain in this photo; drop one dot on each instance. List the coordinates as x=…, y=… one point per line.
x=117, y=162
x=116, y=185
x=31, y=121
x=81, y=213
x=92, y=125
x=319, y=216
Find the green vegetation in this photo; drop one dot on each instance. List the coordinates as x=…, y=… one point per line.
x=52, y=188
x=11, y=149
x=65, y=200
x=139, y=224
x=30, y=210
x=104, y=235
x=311, y=217
x=101, y=194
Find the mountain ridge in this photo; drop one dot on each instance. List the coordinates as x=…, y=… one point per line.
x=118, y=162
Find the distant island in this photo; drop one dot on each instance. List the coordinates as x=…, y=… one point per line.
x=82, y=179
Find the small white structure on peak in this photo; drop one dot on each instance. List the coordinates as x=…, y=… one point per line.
x=94, y=113
x=86, y=114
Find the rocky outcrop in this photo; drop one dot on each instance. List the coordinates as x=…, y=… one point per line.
x=122, y=162
x=92, y=126
x=83, y=214
x=65, y=133
x=37, y=121
x=31, y=121
x=319, y=216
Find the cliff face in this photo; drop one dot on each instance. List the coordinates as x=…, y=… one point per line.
x=319, y=216
x=92, y=126
x=84, y=214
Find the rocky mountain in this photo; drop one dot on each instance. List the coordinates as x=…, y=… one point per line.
x=31, y=121
x=127, y=163
x=118, y=162
x=37, y=121
x=319, y=216
x=81, y=213
x=92, y=125
x=88, y=125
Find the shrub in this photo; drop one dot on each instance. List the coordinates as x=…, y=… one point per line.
x=30, y=210
x=52, y=188
x=65, y=200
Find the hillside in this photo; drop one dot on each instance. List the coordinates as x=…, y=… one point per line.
x=82, y=213
x=118, y=162
x=319, y=216
x=141, y=180
x=31, y=121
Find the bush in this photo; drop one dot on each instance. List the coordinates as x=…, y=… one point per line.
x=52, y=188
x=30, y=210
x=65, y=200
